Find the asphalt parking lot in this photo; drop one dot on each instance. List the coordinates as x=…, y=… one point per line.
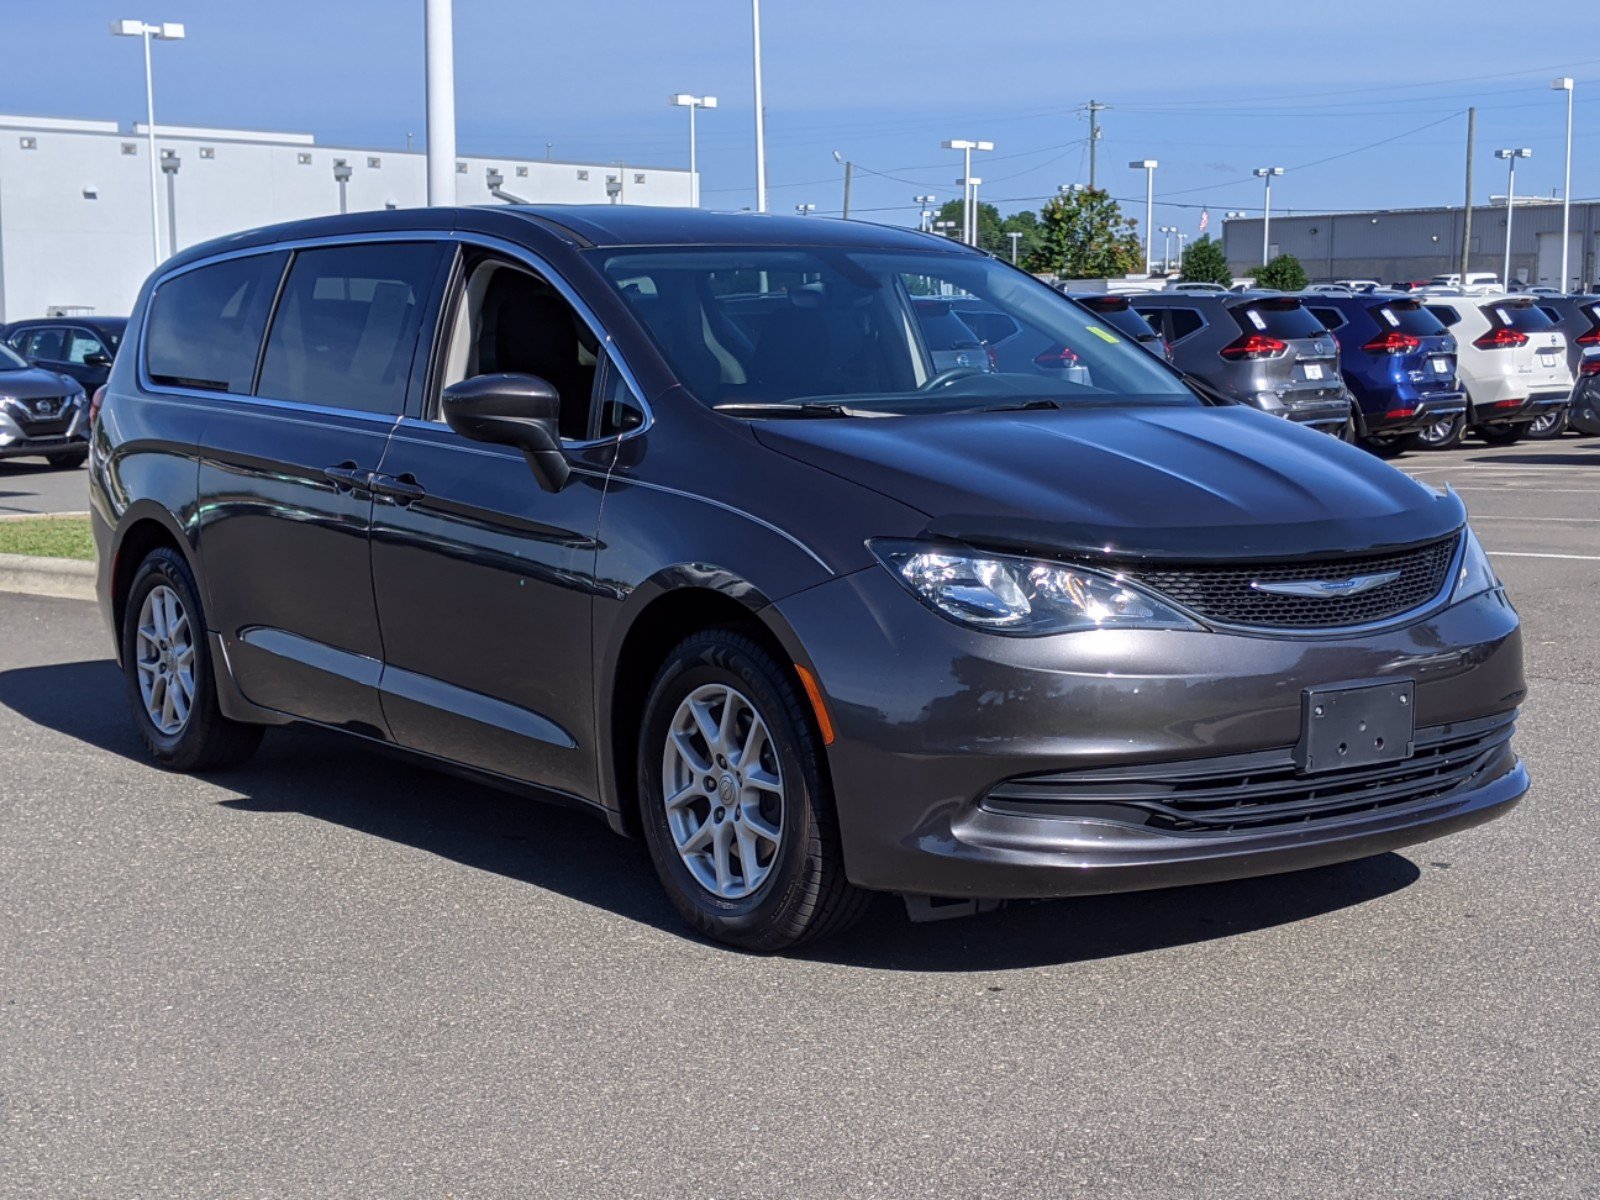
x=330, y=974
x=32, y=486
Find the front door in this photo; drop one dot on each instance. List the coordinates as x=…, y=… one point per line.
x=285, y=475
x=484, y=582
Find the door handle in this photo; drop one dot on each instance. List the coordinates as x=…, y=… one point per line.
x=402, y=489
x=347, y=477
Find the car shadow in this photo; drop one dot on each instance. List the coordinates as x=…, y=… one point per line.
x=322, y=775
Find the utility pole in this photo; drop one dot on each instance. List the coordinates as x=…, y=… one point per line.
x=439, y=46
x=1095, y=109
x=1466, y=208
x=849, y=168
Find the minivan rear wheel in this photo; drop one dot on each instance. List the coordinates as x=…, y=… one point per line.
x=166, y=667
x=734, y=798
x=1444, y=434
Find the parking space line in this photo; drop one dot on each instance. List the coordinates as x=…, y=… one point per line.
x=1562, y=520
x=1532, y=491
x=1535, y=554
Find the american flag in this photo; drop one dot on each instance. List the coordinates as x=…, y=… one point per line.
x=1205, y=219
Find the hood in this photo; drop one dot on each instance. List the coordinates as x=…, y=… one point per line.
x=1169, y=483
x=34, y=382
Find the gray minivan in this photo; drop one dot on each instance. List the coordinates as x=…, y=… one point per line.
x=674, y=517
x=1263, y=349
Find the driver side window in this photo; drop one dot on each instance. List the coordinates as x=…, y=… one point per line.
x=508, y=320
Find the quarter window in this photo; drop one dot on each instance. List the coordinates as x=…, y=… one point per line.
x=205, y=325
x=346, y=327
x=1184, y=321
x=80, y=344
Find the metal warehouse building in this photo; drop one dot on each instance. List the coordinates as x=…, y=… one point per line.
x=75, y=198
x=1416, y=243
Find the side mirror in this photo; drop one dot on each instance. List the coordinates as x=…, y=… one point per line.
x=97, y=359
x=512, y=410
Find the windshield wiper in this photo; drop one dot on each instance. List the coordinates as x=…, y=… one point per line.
x=810, y=408
x=1019, y=406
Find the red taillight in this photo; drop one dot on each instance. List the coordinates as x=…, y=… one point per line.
x=1392, y=341
x=1253, y=345
x=1057, y=358
x=1401, y=412
x=1508, y=404
x=1589, y=366
x=1501, y=339
x=94, y=403
x=1592, y=338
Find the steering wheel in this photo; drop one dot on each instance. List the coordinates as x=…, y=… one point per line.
x=948, y=376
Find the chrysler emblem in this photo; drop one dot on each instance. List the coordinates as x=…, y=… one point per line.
x=1324, y=588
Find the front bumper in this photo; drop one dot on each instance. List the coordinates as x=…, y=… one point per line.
x=18, y=440
x=931, y=718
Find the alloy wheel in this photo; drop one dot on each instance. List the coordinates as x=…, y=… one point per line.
x=722, y=787
x=164, y=656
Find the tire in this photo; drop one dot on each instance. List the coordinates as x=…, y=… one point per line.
x=1347, y=432
x=1503, y=435
x=799, y=893
x=68, y=459
x=1549, y=426
x=197, y=738
x=1443, y=435
x=1394, y=445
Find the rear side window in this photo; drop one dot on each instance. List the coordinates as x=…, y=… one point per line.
x=1331, y=318
x=1124, y=320
x=346, y=327
x=1447, y=315
x=47, y=344
x=1407, y=317
x=80, y=344
x=1278, y=318
x=1184, y=322
x=205, y=325
x=1524, y=317
x=992, y=327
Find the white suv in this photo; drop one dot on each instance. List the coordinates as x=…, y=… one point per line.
x=1512, y=363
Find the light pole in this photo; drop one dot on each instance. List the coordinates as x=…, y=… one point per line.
x=1166, y=249
x=169, y=167
x=1148, y=166
x=440, y=54
x=761, y=112
x=1564, y=84
x=805, y=210
x=849, y=169
x=1015, y=238
x=167, y=31
x=945, y=228
x=1511, y=156
x=1266, y=173
x=684, y=100
x=1181, y=235
x=1068, y=190
x=614, y=188
x=341, y=176
x=969, y=185
x=926, y=216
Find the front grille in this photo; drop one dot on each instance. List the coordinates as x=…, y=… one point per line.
x=1224, y=592
x=41, y=427
x=1249, y=791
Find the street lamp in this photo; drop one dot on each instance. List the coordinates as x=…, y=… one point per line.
x=805, y=210
x=1564, y=84
x=761, y=112
x=1148, y=166
x=1266, y=173
x=167, y=31
x=341, y=176
x=684, y=100
x=969, y=185
x=1235, y=214
x=1015, y=238
x=614, y=188
x=925, y=204
x=1072, y=189
x=1511, y=157
x=945, y=228
x=1166, y=249
x=170, y=162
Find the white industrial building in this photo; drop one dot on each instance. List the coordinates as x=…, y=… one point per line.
x=75, y=233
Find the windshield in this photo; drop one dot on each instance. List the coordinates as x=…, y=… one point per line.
x=885, y=331
x=9, y=360
x=1285, y=319
x=1407, y=316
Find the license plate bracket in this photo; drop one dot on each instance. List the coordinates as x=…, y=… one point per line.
x=1356, y=725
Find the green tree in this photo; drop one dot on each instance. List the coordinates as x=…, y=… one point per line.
x=1085, y=236
x=1026, y=225
x=1283, y=273
x=1204, y=262
x=989, y=235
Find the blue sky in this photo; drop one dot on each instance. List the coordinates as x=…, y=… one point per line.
x=882, y=81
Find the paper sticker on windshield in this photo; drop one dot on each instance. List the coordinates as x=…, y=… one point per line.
x=1103, y=335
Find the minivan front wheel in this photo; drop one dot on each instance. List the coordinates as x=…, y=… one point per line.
x=734, y=800
x=166, y=667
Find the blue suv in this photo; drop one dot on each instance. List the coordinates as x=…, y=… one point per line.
x=1399, y=362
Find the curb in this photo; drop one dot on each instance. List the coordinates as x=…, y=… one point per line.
x=49, y=516
x=63, y=578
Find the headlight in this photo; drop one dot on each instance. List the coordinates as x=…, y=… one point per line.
x=1476, y=575
x=1020, y=596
